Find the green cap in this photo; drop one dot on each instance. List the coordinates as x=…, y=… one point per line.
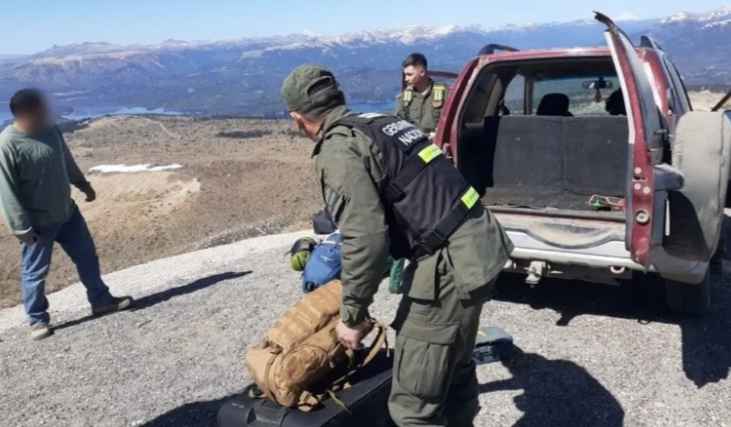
x=297, y=87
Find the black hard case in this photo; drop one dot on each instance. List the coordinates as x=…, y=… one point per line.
x=366, y=403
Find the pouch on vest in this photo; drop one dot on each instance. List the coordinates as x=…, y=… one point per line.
x=324, y=263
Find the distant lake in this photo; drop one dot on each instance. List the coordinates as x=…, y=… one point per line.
x=372, y=108
x=83, y=113
x=96, y=112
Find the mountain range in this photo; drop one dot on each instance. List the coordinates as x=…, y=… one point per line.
x=243, y=76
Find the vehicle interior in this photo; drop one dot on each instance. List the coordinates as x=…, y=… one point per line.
x=547, y=134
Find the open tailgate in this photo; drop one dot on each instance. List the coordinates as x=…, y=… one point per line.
x=648, y=180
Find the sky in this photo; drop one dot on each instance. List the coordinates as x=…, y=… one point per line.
x=32, y=26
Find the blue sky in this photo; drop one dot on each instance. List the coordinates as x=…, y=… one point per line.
x=31, y=26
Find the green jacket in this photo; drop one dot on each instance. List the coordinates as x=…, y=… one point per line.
x=423, y=109
x=35, y=176
x=351, y=174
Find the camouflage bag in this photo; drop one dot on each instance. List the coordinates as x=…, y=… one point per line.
x=294, y=364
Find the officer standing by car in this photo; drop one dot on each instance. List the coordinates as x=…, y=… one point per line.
x=391, y=190
x=422, y=101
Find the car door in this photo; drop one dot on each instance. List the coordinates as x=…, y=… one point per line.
x=647, y=178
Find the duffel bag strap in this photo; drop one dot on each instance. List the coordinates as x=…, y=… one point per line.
x=378, y=343
x=309, y=401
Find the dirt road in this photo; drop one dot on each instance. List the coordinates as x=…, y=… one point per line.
x=593, y=356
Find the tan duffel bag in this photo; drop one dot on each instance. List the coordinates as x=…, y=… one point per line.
x=302, y=351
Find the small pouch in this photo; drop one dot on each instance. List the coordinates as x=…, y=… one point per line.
x=493, y=345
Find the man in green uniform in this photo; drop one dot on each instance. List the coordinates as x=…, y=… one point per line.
x=390, y=190
x=422, y=101
x=36, y=174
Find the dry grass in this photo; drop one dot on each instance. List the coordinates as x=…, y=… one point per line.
x=705, y=100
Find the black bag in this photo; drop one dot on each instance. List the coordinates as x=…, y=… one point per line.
x=365, y=404
x=322, y=223
x=493, y=345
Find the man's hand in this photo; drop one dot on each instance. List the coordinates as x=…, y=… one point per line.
x=30, y=238
x=90, y=194
x=351, y=337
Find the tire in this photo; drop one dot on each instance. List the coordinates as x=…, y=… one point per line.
x=701, y=150
x=689, y=299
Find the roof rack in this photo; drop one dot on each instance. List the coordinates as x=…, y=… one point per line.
x=648, y=42
x=492, y=47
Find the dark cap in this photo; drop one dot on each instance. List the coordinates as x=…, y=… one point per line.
x=304, y=82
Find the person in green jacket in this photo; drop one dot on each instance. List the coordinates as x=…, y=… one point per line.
x=36, y=171
x=444, y=290
x=422, y=101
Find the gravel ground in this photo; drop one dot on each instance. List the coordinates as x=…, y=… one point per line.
x=592, y=355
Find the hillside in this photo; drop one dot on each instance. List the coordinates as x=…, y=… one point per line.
x=243, y=76
x=223, y=192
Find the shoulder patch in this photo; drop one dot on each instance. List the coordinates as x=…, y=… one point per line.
x=440, y=90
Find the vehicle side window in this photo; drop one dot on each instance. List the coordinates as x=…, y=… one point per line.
x=514, y=95
x=679, y=86
x=479, y=97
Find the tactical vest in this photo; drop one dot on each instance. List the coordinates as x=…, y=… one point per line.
x=426, y=197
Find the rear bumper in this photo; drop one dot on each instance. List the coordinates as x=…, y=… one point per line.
x=607, y=256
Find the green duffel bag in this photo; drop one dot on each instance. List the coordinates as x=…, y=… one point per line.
x=395, y=275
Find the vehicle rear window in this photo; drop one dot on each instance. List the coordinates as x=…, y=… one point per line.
x=583, y=100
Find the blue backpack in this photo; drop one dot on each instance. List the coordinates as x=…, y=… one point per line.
x=324, y=263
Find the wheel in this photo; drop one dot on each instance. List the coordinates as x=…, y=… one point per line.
x=687, y=298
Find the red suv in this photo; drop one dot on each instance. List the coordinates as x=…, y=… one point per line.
x=594, y=162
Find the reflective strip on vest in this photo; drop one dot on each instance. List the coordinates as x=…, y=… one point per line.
x=470, y=198
x=430, y=153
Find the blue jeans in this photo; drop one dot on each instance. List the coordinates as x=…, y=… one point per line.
x=76, y=241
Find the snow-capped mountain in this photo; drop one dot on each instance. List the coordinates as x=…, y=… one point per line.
x=243, y=75
x=716, y=17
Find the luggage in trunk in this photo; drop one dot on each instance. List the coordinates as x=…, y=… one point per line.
x=366, y=403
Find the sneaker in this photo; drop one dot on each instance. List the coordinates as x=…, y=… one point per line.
x=40, y=331
x=117, y=304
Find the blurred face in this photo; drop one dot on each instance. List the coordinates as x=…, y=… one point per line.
x=415, y=75
x=36, y=119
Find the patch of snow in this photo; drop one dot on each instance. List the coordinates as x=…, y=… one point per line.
x=626, y=16
x=718, y=24
x=709, y=17
x=132, y=169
